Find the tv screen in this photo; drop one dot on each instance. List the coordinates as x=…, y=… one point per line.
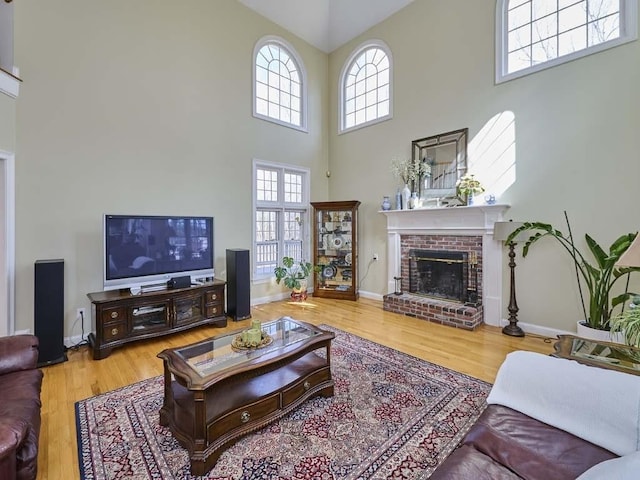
x=144, y=249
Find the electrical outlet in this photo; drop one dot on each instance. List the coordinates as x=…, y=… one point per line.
x=81, y=313
x=375, y=256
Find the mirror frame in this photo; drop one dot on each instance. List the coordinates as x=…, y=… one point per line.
x=459, y=138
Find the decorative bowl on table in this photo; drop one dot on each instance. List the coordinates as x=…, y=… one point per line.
x=238, y=343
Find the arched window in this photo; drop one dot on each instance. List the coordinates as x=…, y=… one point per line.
x=366, y=86
x=536, y=34
x=279, y=83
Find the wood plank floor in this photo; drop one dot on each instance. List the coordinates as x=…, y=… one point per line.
x=477, y=353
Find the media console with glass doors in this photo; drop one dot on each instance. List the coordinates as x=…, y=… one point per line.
x=121, y=317
x=335, y=249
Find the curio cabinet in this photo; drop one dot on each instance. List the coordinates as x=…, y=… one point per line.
x=335, y=249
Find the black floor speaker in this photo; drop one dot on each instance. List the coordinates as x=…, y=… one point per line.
x=238, y=284
x=49, y=311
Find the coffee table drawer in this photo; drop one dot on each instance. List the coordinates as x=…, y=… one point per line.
x=243, y=416
x=299, y=388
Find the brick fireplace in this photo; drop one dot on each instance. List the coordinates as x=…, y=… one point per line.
x=444, y=265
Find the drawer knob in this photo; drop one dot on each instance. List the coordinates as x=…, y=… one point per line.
x=214, y=296
x=214, y=310
x=114, y=314
x=114, y=331
x=306, y=385
x=245, y=416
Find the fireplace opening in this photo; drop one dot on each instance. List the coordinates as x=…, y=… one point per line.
x=448, y=275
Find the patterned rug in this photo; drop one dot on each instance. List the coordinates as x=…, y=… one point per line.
x=392, y=416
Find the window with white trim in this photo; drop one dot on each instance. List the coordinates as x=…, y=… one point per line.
x=366, y=86
x=279, y=84
x=536, y=34
x=281, y=215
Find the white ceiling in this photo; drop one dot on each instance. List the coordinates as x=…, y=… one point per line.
x=326, y=24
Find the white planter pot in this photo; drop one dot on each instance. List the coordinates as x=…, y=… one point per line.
x=586, y=331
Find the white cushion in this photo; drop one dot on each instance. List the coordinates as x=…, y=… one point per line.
x=623, y=468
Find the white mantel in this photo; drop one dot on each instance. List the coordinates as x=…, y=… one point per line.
x=472, y=221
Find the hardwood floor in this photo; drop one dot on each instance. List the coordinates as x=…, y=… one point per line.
x=477, y=353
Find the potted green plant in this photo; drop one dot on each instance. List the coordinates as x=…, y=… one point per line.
x=598, y=277
x=294, y=275
x=628, y=322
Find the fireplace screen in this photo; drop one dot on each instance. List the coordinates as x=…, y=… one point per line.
x=448, y=275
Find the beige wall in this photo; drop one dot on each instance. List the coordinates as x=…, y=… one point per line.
x=145, y=108
x=576, y=140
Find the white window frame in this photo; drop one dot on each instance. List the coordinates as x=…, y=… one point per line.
x=293, y=54
x=628, y=33
x=281, y=206
x=346, y=67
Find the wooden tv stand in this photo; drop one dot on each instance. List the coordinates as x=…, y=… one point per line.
x=121, y=317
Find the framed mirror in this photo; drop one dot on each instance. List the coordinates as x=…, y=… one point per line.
x=446, y=154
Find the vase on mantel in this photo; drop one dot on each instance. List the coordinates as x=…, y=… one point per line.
x=470, y=199
x=406, y=195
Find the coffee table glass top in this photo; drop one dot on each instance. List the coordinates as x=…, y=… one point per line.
x=621, y=356
x=216, y=354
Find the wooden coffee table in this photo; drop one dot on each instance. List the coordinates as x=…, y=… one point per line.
x=612, y=356
x=215, y=393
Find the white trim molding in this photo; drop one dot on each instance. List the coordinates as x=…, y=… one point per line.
x=7, y=162
x=9, y=84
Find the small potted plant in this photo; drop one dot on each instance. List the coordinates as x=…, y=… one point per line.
x=294, y=274
x=628, y=323
x=467, y=187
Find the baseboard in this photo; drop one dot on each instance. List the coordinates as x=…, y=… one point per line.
x=270, y=298
x=371, y=295
x=23, y=332
x=70, y=342
x=538, y=330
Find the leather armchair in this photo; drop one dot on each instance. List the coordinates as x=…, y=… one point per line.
x=20, y=384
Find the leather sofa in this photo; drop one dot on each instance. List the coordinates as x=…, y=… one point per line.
x=552, y=419
x=505, y=444
x=20, y=386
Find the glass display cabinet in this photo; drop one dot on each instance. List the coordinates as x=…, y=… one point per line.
x=335, y=249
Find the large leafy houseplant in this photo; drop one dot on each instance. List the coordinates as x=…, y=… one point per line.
x=292, y=273
x=598, y=277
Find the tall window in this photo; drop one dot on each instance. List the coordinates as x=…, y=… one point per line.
x=537, y=34
x=279, y=86
x=281, y=205
x=365, y=87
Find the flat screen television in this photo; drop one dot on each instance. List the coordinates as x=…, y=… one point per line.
x=141, y=250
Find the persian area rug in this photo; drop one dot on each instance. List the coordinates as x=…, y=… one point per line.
x=392, y=416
